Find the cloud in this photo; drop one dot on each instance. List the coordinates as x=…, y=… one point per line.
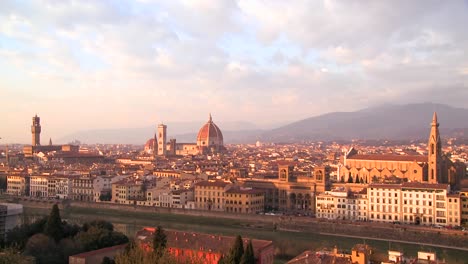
x=132, y=63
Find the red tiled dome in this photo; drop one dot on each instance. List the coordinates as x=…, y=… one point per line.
x=210, y=135
x=149, y=145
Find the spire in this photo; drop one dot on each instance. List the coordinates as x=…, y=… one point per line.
x=434, y=119
x=211, y=119
x=50, y=141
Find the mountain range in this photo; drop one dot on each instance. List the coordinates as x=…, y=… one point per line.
x=390, y=122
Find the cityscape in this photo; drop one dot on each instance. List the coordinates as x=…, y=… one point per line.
x=230, y=132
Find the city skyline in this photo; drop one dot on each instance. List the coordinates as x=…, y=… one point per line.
x=104, y=65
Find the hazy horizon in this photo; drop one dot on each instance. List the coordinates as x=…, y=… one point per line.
x=103, y=65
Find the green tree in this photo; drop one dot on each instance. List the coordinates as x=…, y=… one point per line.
x=159, y=241
x=96, y=238
x=54, y=228
x=43, y=249
x=107, y=260
x=13, y=255
x=248, y=256
x=222, y=259
x=236, y=252
x=19, y=235
x=134, y=254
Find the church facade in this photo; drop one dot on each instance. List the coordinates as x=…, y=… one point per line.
x=436, y=167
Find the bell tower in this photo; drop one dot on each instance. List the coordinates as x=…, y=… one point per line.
x=36, y=131
x=162, y=137
x=434, y=152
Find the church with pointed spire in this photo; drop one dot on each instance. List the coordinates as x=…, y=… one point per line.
x=436, y=167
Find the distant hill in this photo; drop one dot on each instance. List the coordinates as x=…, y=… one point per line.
x=393, y=122
x=182, y=131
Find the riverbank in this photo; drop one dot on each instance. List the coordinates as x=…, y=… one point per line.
x=291, y=236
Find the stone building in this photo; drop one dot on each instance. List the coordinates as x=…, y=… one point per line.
x=292, y=191
x=436, y=167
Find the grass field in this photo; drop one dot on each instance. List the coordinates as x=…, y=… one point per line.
x=288, y=244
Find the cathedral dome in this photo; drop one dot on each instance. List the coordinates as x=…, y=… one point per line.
x=149, y=146
x=210, y=136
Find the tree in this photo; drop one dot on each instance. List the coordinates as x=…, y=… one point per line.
x=54, y=228
x=357, y=179
x=350, y=179
x=237, y=250
x=13, y=255
x=107, y=260
x=43, y=249
x=248, y=256
x=159, y=241
x=134, y=254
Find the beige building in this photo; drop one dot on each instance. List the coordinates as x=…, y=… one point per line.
x=210, y=195
x=18, y=185
x=342, y=204
x=128, y=191
x=410, y=203
x=83, y=189
x=244, y=200
x=39, y=186
x=453, y=210
x=464, y=207
x=292, y=190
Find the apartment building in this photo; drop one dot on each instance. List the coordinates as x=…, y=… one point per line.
x=18, y=185
x=83, y=189
x=181, y=197
x=210, y=195
x=244, y=200
x=128, y=191
x=454, y=209
x=464, y=206
x=60, y=187
x=384, y=202
x=39, y=186
x=342, y=204
x=410, y=203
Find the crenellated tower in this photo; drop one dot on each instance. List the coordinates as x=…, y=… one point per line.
x=36, y=131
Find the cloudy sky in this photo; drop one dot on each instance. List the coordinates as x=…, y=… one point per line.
x=118, y=64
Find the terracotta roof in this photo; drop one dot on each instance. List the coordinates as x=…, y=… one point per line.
x=199, y=241
x=100, y=251
x=310, y=257
x=408, y=185
x=212, y=183
x=420, y=185
x=239, y=190
x=389, y=157
x=149, y=144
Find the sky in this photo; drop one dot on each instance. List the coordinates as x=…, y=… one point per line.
x=101, y=64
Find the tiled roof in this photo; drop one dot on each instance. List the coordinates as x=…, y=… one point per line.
x=388, y=157
x=310, y=257
x=221, y=184
x=199, y=241
x=100, y=251
x=239, y=190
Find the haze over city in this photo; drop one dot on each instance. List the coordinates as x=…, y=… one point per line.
x=105, y=64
